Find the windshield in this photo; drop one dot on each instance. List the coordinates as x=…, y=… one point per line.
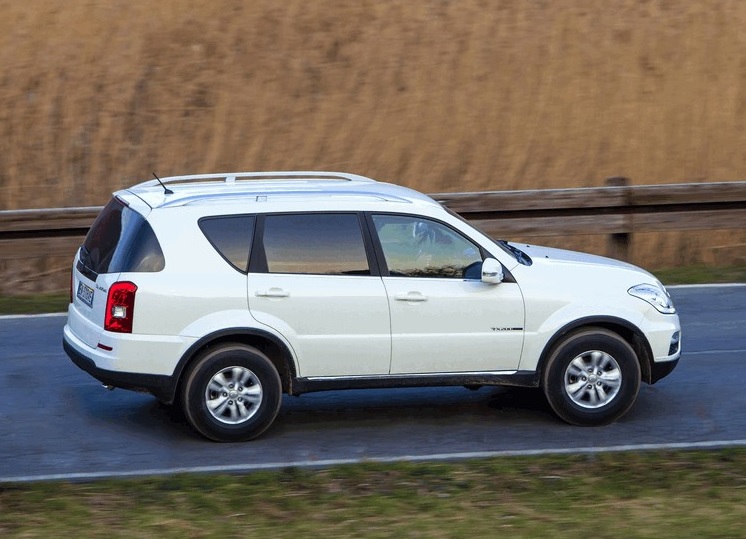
x=514, y=252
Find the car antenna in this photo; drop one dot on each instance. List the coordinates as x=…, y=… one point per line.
x=166, y=190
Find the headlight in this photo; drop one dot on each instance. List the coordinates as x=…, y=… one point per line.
x=656, y=295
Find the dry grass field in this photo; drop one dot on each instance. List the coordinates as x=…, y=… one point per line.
x=435, y=94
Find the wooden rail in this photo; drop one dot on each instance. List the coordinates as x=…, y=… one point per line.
x=617, y=210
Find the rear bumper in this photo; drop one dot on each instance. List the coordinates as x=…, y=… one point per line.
x=162, y=387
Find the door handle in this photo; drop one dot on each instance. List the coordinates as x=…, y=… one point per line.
x=410, y=296
x=272, y=293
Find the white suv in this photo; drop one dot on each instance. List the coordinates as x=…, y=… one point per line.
x=221, y=292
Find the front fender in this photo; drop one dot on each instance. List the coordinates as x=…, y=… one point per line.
x=539, y=340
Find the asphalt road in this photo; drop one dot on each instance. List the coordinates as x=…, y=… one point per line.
x=58, y=422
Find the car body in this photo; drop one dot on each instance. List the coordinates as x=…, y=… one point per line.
x=221, y=292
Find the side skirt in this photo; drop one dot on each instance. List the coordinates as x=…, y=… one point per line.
x=510, y=378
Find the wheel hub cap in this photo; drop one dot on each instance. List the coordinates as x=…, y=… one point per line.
x=593, y=379
x=233, y=395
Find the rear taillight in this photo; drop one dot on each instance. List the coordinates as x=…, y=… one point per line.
x=120, y=307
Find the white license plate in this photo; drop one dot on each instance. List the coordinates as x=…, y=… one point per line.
x=85, y=294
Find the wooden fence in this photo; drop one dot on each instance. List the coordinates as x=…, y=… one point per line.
x=617, y=210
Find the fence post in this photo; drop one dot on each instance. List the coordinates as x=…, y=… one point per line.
x=618, y=244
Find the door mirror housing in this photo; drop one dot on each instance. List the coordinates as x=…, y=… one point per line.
x=492, y=271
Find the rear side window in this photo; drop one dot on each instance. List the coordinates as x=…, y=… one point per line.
x=120, y=240
x=315, y=243
x=231, y=237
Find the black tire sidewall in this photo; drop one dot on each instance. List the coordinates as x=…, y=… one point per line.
x=206, y=366
x=569, y=349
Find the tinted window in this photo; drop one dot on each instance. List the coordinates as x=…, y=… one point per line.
x=231, y=237
x=145, y=254
x=417, y=247
x=327, y=244
x=120, y=240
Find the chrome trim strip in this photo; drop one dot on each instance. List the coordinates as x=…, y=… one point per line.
x=422, y=375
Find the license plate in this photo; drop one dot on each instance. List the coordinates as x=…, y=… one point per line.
x=85, y=294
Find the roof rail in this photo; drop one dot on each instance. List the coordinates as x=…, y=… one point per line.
x=232, y=177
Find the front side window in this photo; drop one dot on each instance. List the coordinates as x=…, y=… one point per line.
x=315, y=243
x=418, y=247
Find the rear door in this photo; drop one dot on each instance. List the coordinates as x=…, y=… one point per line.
x=311, y=279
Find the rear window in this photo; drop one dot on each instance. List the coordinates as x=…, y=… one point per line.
x=120, y=240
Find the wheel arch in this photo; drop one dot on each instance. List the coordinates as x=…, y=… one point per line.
x=270, y=345
x=625, y=329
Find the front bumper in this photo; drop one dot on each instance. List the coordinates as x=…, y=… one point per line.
x=661, y=369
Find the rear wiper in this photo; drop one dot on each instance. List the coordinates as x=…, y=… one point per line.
x=85, y=255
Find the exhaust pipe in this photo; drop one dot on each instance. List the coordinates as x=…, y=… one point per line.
x=107, y=386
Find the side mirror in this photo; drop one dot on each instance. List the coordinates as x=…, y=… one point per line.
x=492, y=271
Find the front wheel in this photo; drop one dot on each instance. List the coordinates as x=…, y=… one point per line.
x=592, y=377
x=231, y=393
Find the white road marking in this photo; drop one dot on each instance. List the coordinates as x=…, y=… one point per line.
x=254, y=467
x=711, y=352
x=713, y=285
x=24, y=316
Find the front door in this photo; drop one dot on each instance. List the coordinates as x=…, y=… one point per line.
x=443, y=318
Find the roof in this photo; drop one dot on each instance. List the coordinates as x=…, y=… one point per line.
x=262, y=186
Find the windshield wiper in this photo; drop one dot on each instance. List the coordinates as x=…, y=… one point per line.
x=519, y=255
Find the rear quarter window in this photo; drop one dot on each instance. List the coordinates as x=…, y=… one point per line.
x=231, y=237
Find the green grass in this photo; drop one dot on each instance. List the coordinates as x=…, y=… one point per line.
x=629, y=495
x=702, y=274
x=34, y=304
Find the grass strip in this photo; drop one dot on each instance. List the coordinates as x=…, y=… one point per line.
x=701, y=275
x=34, y=304
x=625, y=495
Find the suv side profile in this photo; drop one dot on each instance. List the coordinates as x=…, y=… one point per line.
x=221, y=292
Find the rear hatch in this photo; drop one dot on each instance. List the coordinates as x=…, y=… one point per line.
x=119, y=240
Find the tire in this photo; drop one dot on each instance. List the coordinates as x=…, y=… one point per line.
x=592, y=377
x=231, y=393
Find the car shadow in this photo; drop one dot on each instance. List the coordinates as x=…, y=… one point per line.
x=441, y=405
x=336, y=410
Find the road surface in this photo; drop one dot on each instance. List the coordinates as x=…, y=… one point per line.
x=56, y=422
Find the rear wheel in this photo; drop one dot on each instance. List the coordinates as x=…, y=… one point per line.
x=231, y=393
x=592, y=377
